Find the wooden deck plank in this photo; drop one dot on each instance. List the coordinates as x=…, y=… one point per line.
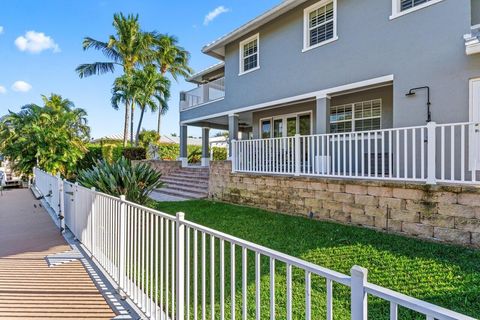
x=29, y=288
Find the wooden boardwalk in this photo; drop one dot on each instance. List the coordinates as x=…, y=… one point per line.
x=29, y=287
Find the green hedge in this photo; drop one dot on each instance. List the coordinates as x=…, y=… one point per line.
x=135, y=153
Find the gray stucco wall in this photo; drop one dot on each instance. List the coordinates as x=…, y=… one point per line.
x=475, y=12
x=425, y=47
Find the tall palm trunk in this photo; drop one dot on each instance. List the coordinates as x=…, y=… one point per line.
x=159, y=122
x=139, y=125
x=131, y=122
x=125, y=127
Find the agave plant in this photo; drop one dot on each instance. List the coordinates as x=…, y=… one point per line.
x=135, y=181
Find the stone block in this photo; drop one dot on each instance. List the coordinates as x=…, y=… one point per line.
x=404, y=215
x=355, y=189
x=362, y=219
x=444, y=197
x=332, y=206
x=417, y=229
x=475, y=239
x=340, y=216
x=376, y=211
x=318, y=186
x=313, y=204
x=421, y=206
x=322, y=214
x=391, y=203
x=324, y=195
x=469, y=199
x=456, y=210
x=353, y=208
x=334, y=187
x=366, y=200
x=394, y=225
x=380, y=223
x=408, y=194
x=452, y=235
x=306, y=193
x=472, y=225
x=344, y=197
x=437, y=220
x=380, y=191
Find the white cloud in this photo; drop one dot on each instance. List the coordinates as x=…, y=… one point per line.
x=1, y=29
x=214, y=14
x=3, y=90
x=21, y=86
x=35, y=42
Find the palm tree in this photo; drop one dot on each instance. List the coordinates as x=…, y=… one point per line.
x=154, y=91
x=124, y=92
x=171, y=59
x=128, y=48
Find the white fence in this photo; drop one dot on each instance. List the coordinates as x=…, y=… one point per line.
x=429, y=154
x=50, y=187
x=176, y=269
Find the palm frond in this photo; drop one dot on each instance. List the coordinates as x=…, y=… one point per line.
x=89, y=69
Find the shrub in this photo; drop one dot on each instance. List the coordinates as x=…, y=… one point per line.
x=168, y=151
x=194, y=154
x=93, y=154
x=134, y=153
x=219, y=153
x=147, y=137
x=136, y=182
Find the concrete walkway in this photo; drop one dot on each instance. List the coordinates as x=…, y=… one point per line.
x=29, y=287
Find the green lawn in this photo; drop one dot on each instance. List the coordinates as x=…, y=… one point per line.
x=442, y=274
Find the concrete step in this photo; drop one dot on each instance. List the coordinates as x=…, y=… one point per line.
x=187, y=188
x=186, y=183
x=187, y=175
x=181, y=193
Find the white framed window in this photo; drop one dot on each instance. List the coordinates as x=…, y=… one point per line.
x=286, y=125
x=358, y=116
x=319, y=24
x=402, y=7
x=249, y=54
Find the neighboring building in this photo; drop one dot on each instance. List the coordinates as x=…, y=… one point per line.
x=339, y=73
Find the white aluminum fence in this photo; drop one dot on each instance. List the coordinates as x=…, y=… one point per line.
x=50, y=187
x=176, y=269
x=431, y=153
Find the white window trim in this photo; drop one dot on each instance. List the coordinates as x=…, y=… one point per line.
x=306, y=24
x=396, y=13
x=284, y=118
x=240, y=54
x=353, y=115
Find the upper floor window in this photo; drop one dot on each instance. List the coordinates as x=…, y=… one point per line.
x=320, y=24
x=401, y=7
x=249, y=54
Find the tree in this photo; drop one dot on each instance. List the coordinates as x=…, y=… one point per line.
x=153, y=92
x=52, y=137
x=128, y=48
x=172, y=60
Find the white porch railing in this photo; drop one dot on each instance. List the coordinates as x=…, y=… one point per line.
x=429, y=154
x=204, y=93
x=176, y=269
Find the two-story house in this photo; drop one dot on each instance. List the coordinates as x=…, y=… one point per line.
x=376, y=89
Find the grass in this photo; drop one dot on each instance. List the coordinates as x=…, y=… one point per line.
x=442, y=274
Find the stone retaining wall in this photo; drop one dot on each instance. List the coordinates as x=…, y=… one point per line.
x=445, y=213
x=165, y=167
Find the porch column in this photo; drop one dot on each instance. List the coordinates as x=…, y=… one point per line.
x=232, y=130
x=183, y=145
x=205, y=146
x=322, y=122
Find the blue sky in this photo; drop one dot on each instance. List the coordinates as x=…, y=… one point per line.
x=40, y=47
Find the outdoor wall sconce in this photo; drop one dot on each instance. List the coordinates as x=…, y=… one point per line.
x=412, y=92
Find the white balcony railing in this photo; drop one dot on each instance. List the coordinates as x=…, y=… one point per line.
x=204, y=93
x=430, y=154
x=166, y=266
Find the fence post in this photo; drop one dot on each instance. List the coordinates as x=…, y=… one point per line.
x=359, y=305
x=180, y=266
x=92, y=223
x=74, y=216
x=233, y=157
x=121, y=258
x=297, y=155
x=431, y=153
x=61, y=204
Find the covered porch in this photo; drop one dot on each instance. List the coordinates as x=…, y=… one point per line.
x=345, y=132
